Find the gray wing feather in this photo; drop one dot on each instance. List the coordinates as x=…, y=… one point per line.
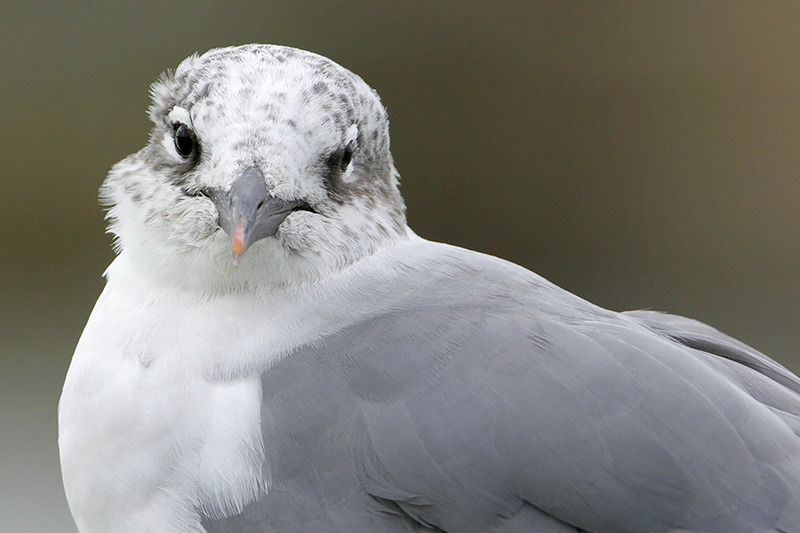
x=605, y=427
x=751, y=370
x=705, y=338
x=490, y=400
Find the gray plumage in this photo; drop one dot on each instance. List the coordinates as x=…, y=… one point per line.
x=488, y=399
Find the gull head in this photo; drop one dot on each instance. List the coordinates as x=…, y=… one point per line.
x=265, y=165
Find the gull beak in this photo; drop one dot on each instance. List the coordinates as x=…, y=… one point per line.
x=248, y=213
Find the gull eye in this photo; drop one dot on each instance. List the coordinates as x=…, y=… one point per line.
x=339, y=161
x=184, y=140
x=347, y=156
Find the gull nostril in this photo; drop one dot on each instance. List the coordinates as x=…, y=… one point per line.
x=260, y=205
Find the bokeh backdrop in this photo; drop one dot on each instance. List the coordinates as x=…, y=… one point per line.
x=640, y=154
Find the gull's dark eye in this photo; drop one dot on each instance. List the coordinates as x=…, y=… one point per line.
x=347, y=156
x=184, y=140
x=339, y=161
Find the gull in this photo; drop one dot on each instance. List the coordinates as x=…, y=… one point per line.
x=275, y=350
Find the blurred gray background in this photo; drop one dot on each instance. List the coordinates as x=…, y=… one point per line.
x=639, y=154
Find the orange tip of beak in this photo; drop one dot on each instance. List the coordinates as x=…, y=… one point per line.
x=238, y=241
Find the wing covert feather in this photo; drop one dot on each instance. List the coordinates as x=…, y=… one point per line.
x=600, y=424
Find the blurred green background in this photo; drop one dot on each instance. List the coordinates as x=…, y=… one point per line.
x=639, y=154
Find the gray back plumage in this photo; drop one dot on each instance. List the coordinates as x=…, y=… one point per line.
x=488, y=399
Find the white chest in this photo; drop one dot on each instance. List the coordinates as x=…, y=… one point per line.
x=161, y=409
x=145, y=437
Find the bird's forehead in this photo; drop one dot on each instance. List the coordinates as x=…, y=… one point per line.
x=268, y=85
